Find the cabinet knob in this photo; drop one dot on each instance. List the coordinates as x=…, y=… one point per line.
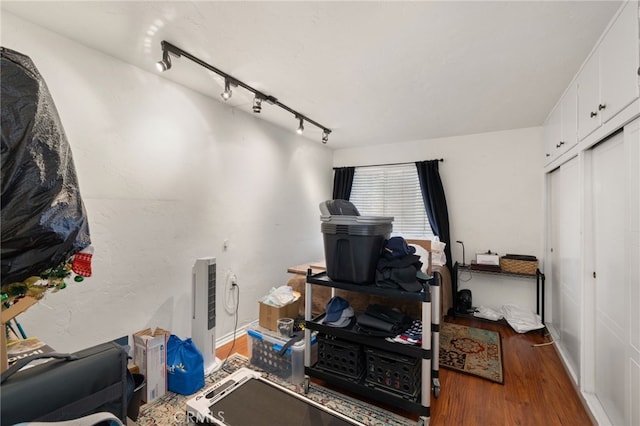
x=593, y=114
x=558, y=145
x=601, y=107
x=547, y=155
x=561, y=143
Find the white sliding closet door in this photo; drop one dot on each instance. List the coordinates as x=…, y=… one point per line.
x=614, y=184
x=565, y=262
x=632, y=136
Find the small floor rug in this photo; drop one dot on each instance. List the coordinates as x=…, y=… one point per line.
x=170, y=408
x=472, y=351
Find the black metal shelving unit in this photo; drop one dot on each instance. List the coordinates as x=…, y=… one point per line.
x=430, y=320
x=538, y=277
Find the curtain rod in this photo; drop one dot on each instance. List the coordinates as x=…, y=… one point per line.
x=390, y=164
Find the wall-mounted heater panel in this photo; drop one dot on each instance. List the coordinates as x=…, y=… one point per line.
x=203, y=323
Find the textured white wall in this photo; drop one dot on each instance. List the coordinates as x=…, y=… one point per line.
x=167, y=175
x=494, y=187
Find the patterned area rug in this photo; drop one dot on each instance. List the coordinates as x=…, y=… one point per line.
x=170, y=408
x=472, y=351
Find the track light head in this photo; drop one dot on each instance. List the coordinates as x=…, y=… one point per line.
x=257, y=104
x=227, y=90
x=167, y=48
x=325, y=135
x=300, y=128
x=165, y=63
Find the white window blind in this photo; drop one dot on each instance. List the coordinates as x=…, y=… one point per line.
x=392, y=190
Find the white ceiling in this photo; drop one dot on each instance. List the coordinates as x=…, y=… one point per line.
x=373, y=72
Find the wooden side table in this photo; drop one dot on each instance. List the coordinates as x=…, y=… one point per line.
x=301, y=269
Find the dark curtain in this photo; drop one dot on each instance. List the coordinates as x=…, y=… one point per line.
x=342, y=181
x=435, y=203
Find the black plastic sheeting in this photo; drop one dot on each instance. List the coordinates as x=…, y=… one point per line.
x=43, y=218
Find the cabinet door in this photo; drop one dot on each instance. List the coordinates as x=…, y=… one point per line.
x=589, y=96
x=565, y=262
x=611, y=292
x=561, y=128
x=632, y=136
x=619, y=62
x=570, y=118
x=552, y=134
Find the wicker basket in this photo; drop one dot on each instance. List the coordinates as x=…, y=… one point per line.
x=514, y=266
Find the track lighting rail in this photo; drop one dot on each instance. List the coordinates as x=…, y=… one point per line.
x=169, y=50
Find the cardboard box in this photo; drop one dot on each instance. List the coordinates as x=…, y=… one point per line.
x=269, y=315
x=150, y=355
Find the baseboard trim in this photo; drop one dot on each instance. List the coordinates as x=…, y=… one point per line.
x=600, y=417
x=590, y=403
x=229, y=336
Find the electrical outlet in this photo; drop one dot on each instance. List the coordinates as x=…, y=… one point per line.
x=232, y=280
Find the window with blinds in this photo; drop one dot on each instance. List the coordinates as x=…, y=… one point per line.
x=392, y=190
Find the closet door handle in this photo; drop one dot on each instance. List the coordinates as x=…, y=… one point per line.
x=601, y=107
x=593, y=114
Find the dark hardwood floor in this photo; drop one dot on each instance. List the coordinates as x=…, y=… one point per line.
x=536, y=389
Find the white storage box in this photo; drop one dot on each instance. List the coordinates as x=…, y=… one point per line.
x=264, y=347
x=487, y=259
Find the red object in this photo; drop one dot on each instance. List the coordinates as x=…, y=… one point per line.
x=82, y=264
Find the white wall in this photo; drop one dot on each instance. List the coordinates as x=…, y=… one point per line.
x=494, y=187
x=167, y=174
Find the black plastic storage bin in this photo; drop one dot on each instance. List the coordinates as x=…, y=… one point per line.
x=393, y=372
x=340, y=357
x=352, y=244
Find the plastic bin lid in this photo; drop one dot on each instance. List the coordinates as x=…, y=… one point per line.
x=343, y=212
x=357, y=220
x=338, y=207
x=260, y=333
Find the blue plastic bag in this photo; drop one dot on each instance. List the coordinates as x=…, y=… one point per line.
x=185, y=366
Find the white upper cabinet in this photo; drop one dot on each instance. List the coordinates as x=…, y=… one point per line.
x=608, y=82
x=619, y=63
x=589, y=97
x=570, y=118
x=561, y=126
x=552, y=134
